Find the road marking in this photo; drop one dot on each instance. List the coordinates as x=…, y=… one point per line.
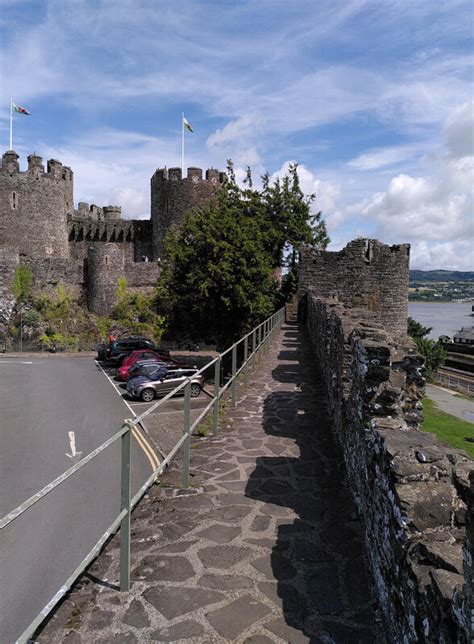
x=137, y=432
x=72, y=444
x=154, y=462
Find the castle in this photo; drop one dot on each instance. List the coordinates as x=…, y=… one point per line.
x=89, y=248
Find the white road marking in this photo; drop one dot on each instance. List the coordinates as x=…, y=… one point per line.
x=14, y=361
x=72, y=444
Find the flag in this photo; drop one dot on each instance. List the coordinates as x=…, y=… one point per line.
x=23, y=110
x=187, y=124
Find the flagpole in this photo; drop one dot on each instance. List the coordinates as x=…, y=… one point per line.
x=182, y=144
x=11, y=122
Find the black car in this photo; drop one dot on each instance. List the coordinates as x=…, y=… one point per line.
x=120, y=349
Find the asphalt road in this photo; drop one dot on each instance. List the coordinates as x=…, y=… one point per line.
x=451, y=402
x=43, y=400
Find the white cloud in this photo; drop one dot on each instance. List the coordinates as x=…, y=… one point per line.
x=378, y=158
x=459, y=131
x=326, y=192
x=435, y=211
x=456, y=256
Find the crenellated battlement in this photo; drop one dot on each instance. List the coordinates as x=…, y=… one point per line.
x=92, y=212
x=82, y=229
x=55, y=169
x=194, y=175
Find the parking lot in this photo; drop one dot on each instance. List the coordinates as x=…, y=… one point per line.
x=164, y=426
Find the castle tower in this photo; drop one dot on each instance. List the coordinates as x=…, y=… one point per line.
x=34, y=206
x=105, y=264
x=365, y=274
x=173, y=196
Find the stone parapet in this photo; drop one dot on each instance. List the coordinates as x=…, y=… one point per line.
x=365, y=274
x=412, y=491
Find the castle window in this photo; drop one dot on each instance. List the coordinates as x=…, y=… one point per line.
x=106, y=259
x=14, y=201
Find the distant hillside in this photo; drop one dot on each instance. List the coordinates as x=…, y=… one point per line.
x=441, y=276
x=441, y=286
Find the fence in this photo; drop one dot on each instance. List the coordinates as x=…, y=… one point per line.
x=245, y=351
x=455, y=380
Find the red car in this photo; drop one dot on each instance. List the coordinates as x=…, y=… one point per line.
x=145, y=354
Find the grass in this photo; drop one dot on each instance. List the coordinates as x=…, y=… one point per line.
x=449, y=429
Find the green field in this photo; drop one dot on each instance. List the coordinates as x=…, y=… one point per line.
x=447, y=428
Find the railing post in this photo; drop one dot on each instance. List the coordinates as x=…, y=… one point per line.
x=246, y=351
x=254, y=348
x=234, y=380
x=125, y=505
x=217, y=384
x=186, y=430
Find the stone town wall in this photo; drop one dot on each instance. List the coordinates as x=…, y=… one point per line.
x=411, y=490
x=367, y=274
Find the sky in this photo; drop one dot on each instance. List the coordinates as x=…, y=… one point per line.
x=373, y=99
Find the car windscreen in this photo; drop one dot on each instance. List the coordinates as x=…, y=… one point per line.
x=158, y=374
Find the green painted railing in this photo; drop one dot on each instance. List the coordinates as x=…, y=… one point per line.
x=251, y=346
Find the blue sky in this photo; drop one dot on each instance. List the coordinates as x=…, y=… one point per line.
x=372, y=98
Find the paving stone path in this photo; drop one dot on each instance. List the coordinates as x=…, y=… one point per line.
x=265, y=547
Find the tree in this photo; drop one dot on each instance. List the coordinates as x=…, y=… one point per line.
x=431, y=350
x=135, y=313
x=416, y=329
x=218, y=279
x=21, y=286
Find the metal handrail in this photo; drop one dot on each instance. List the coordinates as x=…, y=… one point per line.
x=263, y=332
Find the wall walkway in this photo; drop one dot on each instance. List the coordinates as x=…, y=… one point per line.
x=265, y=547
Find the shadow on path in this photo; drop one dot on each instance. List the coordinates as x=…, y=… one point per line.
x=318, y=560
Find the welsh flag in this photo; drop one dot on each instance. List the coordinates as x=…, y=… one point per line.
x=20, y=109
x=187, y=124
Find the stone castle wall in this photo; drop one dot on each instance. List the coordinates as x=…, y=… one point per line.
x=411, y=490
x=365, y=274
x=34, y=206
x=172, y=196
x=38, y=223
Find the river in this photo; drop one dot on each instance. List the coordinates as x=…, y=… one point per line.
x=446, y=318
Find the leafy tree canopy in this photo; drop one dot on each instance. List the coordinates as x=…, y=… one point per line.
x=416, y=329
x=218, y=279
x=431, y=350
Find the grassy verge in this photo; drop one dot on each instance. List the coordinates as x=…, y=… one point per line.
x=447, y=428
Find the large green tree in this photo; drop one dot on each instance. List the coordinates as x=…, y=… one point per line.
x=218, y=280
x=432, y=350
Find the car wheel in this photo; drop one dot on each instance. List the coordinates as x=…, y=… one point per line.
x=147, y=394
x=195, y=389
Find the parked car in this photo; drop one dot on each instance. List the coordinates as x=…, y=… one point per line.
x=120, y=349
x=144, y=368
x=146, y=354
x=162, y=382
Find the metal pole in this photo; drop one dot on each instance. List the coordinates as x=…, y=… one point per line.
x=125, y=505
x=21, y=330
x=234, y=381
x=186, y=430
x=254, y=348
x=246, y=368
x=217, y=378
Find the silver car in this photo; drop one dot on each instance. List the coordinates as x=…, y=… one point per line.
x=162, y=381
